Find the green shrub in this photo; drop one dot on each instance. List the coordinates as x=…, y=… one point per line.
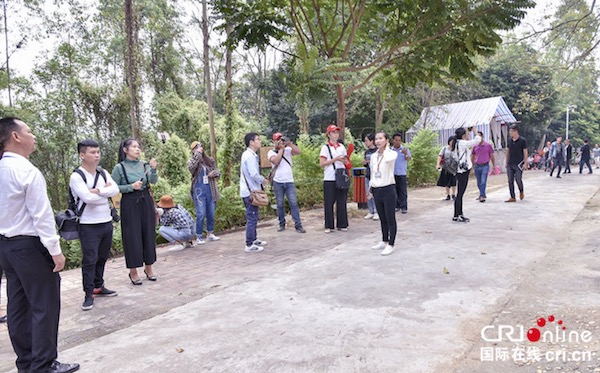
x=172, y=161
x=424, y=149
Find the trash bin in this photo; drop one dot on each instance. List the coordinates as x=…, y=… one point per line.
x=359, y=194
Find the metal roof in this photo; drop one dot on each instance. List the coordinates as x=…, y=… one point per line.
x=464, y=114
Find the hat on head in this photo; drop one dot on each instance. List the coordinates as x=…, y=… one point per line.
x=333, y=127
x=166, y=202
x=277, y=136
x=195, y=144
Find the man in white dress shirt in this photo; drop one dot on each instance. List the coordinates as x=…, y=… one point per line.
x=30, y=253
x=91, y=187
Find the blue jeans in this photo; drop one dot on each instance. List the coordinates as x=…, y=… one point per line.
x=370, y=202
x=288, y=190
x=251, y=221
x=171, y=234
x=205, y=208
x=481, y=173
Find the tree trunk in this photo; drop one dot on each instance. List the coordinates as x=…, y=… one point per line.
x=341, y=106
x=209, y=101
x=380, y=106
x=131, y=73
x=229, y=111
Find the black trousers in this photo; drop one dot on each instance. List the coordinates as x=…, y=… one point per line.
x=96, y=240
x=587, y=163
x=401, y=192
x=385, y=202
x=33, y=302
x=514, y=174
x=462, y=179
x=337, y=197
x=138, y=228
x=558, y=162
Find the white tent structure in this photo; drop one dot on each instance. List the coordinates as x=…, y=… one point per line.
x=489, y=115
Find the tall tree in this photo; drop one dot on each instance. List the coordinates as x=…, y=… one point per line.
x=131, y=67
x=209, y=98
x=420, y=41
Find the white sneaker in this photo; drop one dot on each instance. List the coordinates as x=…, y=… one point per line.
x=369, y=216
x=254, y=248
x=200, y=241
x=259, y=243
x=343, y=229
x=327, y=230
x=178, y=247
x=212, y=237
x=379, y=246
x=375, y=216
x=188, y=244
x=388, y=250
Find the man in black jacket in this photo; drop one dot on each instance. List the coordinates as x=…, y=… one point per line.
x=585, y=156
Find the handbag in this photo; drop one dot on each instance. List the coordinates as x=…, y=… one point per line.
x=451, y=164
x=342, y=178
x=257, y=197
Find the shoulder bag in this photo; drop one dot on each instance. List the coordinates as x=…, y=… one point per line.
x=257, y=197
x=342, y=178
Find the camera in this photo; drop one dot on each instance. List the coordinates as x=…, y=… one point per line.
x=115, y=215
x=284, y=139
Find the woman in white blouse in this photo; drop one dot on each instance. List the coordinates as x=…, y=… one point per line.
x=462, y=152
x=334, y=156
x=383, y=188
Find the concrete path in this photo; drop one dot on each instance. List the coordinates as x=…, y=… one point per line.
x=328, y=303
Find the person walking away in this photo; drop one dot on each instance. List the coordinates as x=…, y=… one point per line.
x=569, y=156
x=446, y=179
x=205, y=192
x=547, y=158
x=333, y=156
x=400, y=170
x=483, y=153
x=558, y=155
x=138, y=219
x=462, y=152
x=371, y=148
x=283, y=182
x=177, y=225
x=516, y=162
x=93, y=186
x=597, y=155
x=30, y=253
x=584, y=152
x=384, y=191
x=251, y=180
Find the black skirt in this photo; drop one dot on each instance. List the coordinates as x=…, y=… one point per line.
x=446, y=179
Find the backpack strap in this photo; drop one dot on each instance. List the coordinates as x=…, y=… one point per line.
x=330, y=155
x=72, y=202
x=124, y=172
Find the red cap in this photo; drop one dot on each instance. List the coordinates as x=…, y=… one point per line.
x=333, y=127
x=277, y=136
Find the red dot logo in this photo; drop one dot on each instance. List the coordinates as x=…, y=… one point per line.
x=541, y=322
x=533, y=335
x=551, y=318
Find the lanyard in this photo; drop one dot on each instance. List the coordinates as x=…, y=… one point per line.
x=379, y=159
